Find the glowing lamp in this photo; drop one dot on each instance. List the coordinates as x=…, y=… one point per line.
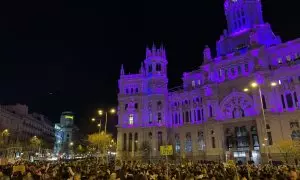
x=112, y=111
x=100, y=112
x=254, y=84
x=273, y=84
x=246, y=90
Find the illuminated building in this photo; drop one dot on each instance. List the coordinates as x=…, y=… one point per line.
x=22, y=125
x=65, y=133
x=216, y=115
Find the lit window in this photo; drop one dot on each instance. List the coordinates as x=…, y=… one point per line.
x=288, y=58
x=193, y=83
x=199, y=82
x=150, y=118
x=279, y=60
x=220, y=73
x=130, y=119
x=159, y=117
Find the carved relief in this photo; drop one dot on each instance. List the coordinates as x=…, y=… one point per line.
x=236, y=105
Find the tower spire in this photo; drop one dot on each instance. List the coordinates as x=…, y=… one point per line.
x=122, y=70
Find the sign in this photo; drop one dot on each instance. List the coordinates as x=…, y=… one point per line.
x=166, y=150
x=69, y=117
x=19, y=168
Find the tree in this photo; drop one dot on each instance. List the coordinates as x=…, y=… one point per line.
x=288, y=149
x=100, y=140
x=80, y=149
x=35, y=142
x=145, y=148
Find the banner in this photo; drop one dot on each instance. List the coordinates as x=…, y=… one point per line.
x=166, y=150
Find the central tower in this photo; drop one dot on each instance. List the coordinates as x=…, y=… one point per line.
x=243, y=14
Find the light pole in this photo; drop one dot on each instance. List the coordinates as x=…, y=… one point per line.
x=111, y=111
x=99, y=123
x=256, y=85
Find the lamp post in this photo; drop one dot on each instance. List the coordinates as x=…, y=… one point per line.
x=99, y=123
x=111, y=111
x=256, y=85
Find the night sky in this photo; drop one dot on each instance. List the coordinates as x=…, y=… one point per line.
x=66, y=55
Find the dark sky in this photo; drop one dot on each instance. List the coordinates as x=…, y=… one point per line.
x=74, y=49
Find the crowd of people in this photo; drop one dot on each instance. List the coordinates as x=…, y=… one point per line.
x=92, y=169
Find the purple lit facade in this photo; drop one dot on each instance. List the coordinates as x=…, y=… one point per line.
x=211, y=116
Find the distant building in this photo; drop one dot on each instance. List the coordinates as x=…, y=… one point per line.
x=65, y=133
x=213, y=115
x=22, y=125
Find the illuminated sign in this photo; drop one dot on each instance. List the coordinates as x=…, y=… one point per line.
x=68, y=117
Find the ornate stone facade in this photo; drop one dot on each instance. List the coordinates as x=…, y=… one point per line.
x=216, y=115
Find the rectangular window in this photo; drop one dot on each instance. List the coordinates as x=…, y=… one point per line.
x=159, y=118
x=239, y=70
x=198, y=115
x=270, y=140
x=193, y=84
x=279, y=60
x=282, y=101
x=150, y=118
x=246, y=68
x=199, y=82
x=213, y=142
x=150, y=68
x=130, y=122
x=220, y=73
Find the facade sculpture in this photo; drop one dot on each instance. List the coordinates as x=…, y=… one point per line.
x=216, y=115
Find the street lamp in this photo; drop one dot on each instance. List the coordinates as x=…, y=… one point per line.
x=111, y=111
x=254, y=85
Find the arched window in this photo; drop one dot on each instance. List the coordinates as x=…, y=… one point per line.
x=289, y=100
x=127, y=91
x=126, y=106
x=158, y=67
x=136, y=90
x=136, y=105
x=264, y=102
x=124, y=142
x=130, y=142
x=135, y=142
